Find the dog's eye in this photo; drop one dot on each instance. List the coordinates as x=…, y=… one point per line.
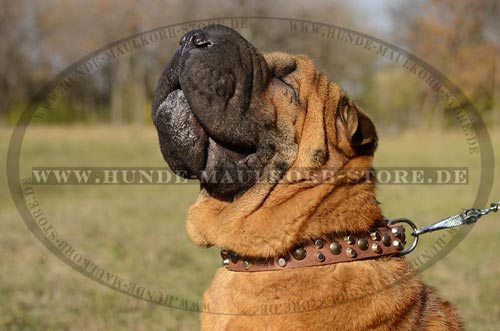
x=283, y=70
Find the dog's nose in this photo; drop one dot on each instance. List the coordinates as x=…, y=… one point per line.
x=196, y=38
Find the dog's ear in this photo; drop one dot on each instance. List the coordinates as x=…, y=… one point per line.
x=359, y=128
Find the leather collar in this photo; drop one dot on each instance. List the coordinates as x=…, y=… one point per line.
x=382, y=241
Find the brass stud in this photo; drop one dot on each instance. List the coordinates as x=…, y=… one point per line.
x=319, y=243
x=397, y=244
x=349, y=239
x=320, y=257
x=335, y=247
x=376, y=248
x=234, y=257
x=395, y=231
x=386, y=240
x=375, y=235
x=247, y=265
x=363, y=244
x=351, y=252
x=282, y=262
x=299, y=253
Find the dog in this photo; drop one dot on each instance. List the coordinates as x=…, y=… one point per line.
x=302, y=250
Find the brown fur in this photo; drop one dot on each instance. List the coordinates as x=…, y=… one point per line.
x=271, y=218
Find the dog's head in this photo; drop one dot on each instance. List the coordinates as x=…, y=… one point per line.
x=222, y=110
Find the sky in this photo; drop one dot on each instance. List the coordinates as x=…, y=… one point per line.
x=376, y=14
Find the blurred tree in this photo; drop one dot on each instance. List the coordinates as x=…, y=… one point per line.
x=462, y=40
x=43, y=38
x=21, y=63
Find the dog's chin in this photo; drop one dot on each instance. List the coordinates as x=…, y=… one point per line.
x=224, y=171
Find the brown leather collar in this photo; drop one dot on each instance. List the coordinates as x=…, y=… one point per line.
x=379, y=242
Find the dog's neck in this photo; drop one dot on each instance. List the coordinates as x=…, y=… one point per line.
x=269, y=220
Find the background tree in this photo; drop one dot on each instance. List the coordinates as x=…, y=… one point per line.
x=461, y=39
x=39, y=39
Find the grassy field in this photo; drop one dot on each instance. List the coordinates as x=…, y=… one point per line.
x=137, y=232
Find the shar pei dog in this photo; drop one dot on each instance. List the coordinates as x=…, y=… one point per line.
x=281, y=154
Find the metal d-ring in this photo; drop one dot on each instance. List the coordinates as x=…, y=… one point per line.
x=415, y=236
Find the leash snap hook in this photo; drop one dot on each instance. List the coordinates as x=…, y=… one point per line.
x=468, y=216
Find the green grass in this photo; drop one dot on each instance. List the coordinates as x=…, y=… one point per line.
x=137, y=232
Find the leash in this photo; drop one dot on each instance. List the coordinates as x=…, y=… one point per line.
x=468, y=216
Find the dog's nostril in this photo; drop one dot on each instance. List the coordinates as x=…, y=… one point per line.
x=202, y=43
x=196, y=38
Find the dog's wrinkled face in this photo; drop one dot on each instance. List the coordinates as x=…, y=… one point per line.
x=207, y=106
x=217, y=105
